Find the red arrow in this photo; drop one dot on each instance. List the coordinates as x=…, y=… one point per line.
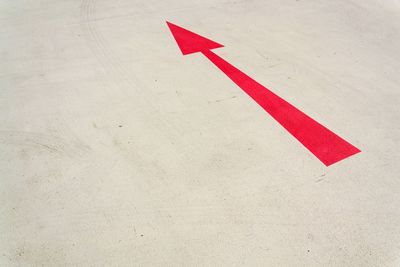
x=327, y=146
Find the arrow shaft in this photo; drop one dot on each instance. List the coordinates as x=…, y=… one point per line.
x=327, y=146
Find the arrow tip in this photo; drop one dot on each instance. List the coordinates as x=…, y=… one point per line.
x=190, y=42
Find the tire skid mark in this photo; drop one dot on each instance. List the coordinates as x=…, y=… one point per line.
x=124, y=80
x=41, y=141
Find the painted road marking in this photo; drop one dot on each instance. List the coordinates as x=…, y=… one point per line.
x=327, y=146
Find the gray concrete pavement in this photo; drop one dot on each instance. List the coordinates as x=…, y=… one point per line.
x=116, y=150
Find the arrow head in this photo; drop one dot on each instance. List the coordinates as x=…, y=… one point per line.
x=190, y=42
